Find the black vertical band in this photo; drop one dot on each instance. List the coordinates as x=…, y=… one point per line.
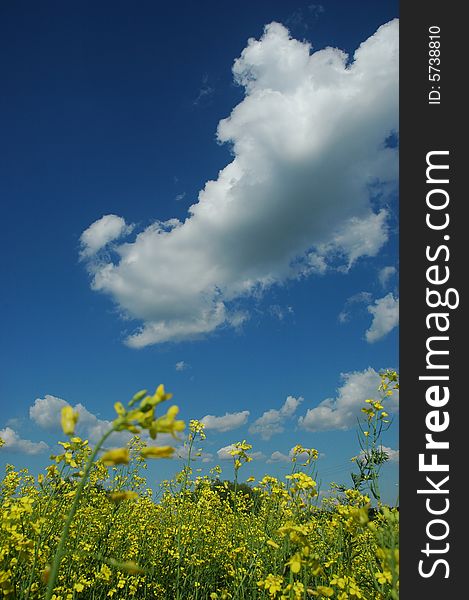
x=433, y=256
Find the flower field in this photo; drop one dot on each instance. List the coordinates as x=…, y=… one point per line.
x=89, y=527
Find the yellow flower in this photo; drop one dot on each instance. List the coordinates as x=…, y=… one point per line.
x=323, y=590
x=105, y=573
x=295, y=563
x=354, y=590
x=339, y=581
x=119, y=408
x=157, y=452
x=383, y=577
x=138, y=396
x=159, y=396
x=272, y=583
x=120, y=496
x=118, y=456
x=130, y=566
x=68, y=419
x=167, y=423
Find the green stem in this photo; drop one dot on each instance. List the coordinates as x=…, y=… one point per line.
x=63, y=538
x=39, y=537
x=182, y=499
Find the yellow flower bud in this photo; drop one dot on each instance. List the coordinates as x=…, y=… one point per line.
x=157, y=452
x=118, y=456
x=68, y=419
x=119, y=408
x=116, y=497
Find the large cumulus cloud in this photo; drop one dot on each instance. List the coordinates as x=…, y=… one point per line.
x=309, y=160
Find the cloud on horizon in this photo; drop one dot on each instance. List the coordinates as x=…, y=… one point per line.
x=14, y=443
x=272, y=421
x=342, y=411
x=393, y=455
x=227, y=422
x=224, y=453
x=45, y=412
x=277, y=456
x=301, y=195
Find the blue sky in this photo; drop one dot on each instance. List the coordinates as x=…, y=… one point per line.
x=187, y=207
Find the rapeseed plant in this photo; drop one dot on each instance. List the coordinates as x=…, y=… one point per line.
x=89, y=526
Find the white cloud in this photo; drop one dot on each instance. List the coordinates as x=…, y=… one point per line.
x=278, y=456
x=385, y=275
x=257, y=455
x=45, y=412
x=100, y=233
x=205, y=93
x=342, y=411
x=224, y=453
x=227, y=422
x=183, y=452
x=181, y=366
x=272, y=421
x=359, y=298
x=385, y=313
x=393, y=455
x=14, y=443
x=309, y=152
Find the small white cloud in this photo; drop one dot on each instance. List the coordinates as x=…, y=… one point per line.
x=277, y=311
x=181, y=366
x=14, y=443
x=205, y=93
x=342, y=411
x=385, y=313
x=385, y=275
x=272, y=421
x=180, y=197
x=280, y=312
x=257, y=455
x=344, y=316
x=14, y=422
x=281, y=457
x=183, y=452
x=359, y=298
x=224, y=453
x=357, y=237
x=227, y=422
x=278, y=457
x=393, y=455
x=100, y=233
